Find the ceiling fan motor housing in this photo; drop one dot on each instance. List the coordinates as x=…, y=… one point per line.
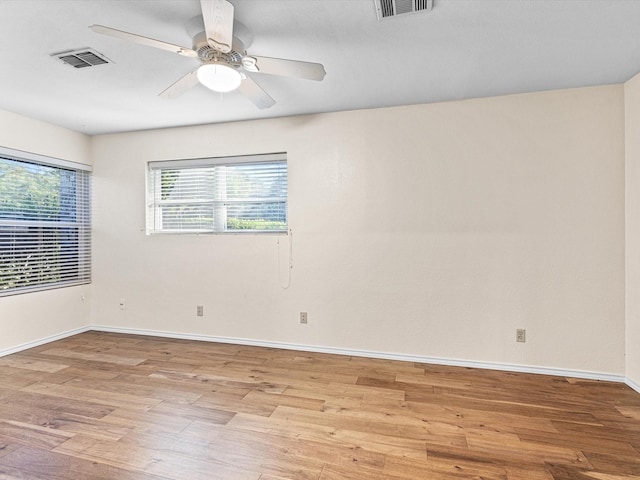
x=207, y=53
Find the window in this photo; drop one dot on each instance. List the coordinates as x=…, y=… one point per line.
x=218, y=195
x=45, y=223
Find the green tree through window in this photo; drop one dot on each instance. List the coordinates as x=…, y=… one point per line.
x=216, y=195
x=44, y=226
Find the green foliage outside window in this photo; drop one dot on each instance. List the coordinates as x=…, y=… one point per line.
x=40, y=226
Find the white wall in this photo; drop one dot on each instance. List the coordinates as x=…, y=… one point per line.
x=432, y=230
x=632, y=209
x=36, y=316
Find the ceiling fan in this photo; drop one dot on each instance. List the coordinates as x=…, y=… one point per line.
x=224, y=63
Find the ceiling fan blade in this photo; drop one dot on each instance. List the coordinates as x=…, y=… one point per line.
x=285, y=68
x=150, y=42
x=179, y=87
x=255, y=93
x=218, y=24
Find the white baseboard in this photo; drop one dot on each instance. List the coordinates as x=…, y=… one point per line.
x=42, y=341
x=631, y=384
x=374, y=354
x=336, y=351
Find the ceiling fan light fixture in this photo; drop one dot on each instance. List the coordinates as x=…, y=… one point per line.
x=219, y=77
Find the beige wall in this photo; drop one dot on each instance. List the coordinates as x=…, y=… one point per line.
x=36, y=316
x=432, y=230
x=632, y=209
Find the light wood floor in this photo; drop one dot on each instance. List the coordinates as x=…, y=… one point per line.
x=107, y=406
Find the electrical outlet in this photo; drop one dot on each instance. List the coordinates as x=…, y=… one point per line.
x=200, y=310
x=303, y=317
x=122, y=304
x=521, y=335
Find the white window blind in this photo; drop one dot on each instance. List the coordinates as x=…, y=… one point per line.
x=45, y=225
x=218, y=195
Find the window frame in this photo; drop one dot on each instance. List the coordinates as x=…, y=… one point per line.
x=80, y=248
x=154, y=189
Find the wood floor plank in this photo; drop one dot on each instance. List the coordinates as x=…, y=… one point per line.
x=7, y=446
x=62, y=421
x=132, y=386
x=58, y=404
x=26, y=363
x=629, y=411
x=403, y=467
x=98, y=406
x=111, y=398
x=274, y=443
x=457, y=416
x=157, y=460
x=247, y=454
x=93, y=356
x=194, y=412
x=511, y=446
x=377, y=423
x=583, y=442
x=266, y=398
x=382, y=443
x=338, y=472
x=32, y=435
x=615, y=464
x=606, y=476
x=33, y=463
x=146, y=421
x=330, y=398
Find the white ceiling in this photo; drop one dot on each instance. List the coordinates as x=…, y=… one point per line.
x=460, y=49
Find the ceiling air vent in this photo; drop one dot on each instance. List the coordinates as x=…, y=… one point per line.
x=393, y=8
x=81, y=58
